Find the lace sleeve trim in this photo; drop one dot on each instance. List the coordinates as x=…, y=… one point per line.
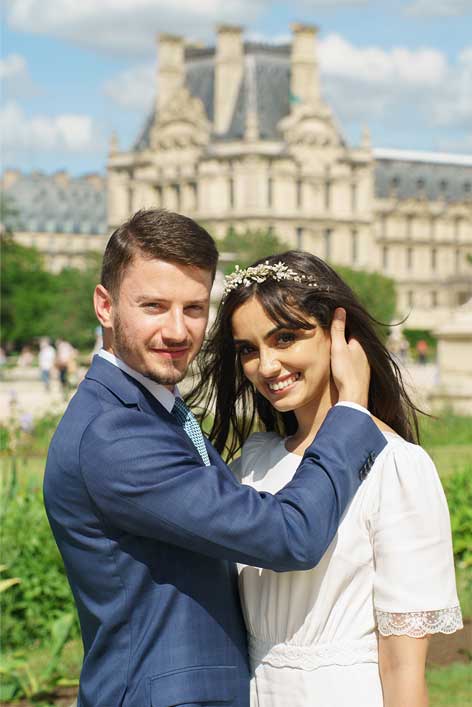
x=419, y=623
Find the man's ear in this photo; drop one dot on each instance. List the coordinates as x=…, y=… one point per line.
x=103, y=305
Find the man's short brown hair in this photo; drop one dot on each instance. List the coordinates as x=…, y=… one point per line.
x=158, y=235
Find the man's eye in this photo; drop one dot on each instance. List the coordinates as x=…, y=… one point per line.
x=194, y=311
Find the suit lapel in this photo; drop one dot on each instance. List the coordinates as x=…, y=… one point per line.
x=132, y=394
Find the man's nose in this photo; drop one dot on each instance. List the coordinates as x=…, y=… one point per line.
x=174, y=328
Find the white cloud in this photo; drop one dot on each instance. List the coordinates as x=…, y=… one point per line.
x=134, y=88
x=439, y=8
x=374, y=65
x=454, y=104
x=401, y=87
x=15, y=77
x=12, y=66
x=127, y=27
x=67, y=133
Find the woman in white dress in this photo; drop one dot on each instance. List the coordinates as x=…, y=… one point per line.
x=353, y=630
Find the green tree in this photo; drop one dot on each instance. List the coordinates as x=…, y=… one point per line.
x=72, y=316
x=35, y=302
x=25, y=292
x=375, y=291
x=248, y=246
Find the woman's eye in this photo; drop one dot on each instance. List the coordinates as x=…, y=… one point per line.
x=286, y=337
x=245, y=350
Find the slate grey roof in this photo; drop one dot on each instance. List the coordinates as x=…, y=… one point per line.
x=51, y=204
x=266, y=67
x=434, y=178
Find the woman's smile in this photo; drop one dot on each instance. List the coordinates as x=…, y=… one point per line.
x=283, y=383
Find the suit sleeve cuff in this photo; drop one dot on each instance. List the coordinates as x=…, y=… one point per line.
x=354, y=406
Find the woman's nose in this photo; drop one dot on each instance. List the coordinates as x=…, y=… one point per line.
x=269, y=364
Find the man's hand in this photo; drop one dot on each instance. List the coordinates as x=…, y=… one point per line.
x=349, y=366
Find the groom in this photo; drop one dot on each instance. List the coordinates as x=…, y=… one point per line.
x=148, y=518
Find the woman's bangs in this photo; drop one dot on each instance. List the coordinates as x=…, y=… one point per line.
x=281, y=306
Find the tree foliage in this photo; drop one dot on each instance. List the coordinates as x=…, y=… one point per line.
x=35, y=302
x=248, y=246
x=25, y=292
x=72, y=317
x=375, y=291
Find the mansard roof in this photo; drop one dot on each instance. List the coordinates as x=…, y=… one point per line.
x=434, y=176
x=264, y=89
x=58, y=203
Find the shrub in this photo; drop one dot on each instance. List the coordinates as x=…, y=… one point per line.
x=458, y=489
x=42, y=596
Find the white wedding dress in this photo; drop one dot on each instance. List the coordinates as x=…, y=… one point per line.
x=313, y=634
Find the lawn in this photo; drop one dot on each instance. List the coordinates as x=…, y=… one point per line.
x=450, y=686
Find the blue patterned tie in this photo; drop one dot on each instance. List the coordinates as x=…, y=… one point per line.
x=191, y=427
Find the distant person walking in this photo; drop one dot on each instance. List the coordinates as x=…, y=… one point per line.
x=422, y=350
x=65, y=359
x=25, y=359
x=46, y=360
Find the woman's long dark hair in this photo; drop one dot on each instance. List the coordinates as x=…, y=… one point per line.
x=237, y=408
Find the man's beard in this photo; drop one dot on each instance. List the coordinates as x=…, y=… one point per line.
x=123, y=348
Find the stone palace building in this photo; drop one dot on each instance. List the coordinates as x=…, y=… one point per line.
x=241, y=137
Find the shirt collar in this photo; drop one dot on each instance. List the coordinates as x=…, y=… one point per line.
x=160, y=392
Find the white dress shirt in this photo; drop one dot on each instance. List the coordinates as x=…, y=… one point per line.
x=159, y=391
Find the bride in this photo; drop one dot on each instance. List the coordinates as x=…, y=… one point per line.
x=354, y=630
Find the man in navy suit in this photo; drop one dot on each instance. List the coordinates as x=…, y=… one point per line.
x=148, y=518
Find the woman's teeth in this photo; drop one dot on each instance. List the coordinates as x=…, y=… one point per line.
x=284, y=384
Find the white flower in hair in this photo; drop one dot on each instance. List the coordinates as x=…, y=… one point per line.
x=262, y=272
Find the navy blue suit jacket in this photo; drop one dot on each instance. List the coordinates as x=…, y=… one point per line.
x=149, y=537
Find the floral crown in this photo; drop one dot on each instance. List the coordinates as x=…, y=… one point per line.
x=262, y=272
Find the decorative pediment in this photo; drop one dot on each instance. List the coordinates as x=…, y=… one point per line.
x=181, y=123
x=310, y=125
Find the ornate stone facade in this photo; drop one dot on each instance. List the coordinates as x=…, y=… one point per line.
x=240, y=136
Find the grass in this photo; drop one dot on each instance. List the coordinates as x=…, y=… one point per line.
x=449, y=458
x=446, y=430
x=450, y=686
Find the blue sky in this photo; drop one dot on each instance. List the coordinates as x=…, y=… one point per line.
x=72, y=72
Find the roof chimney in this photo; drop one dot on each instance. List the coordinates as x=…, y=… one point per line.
x=229, y=69
x=171, y=75
x=304, y=79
